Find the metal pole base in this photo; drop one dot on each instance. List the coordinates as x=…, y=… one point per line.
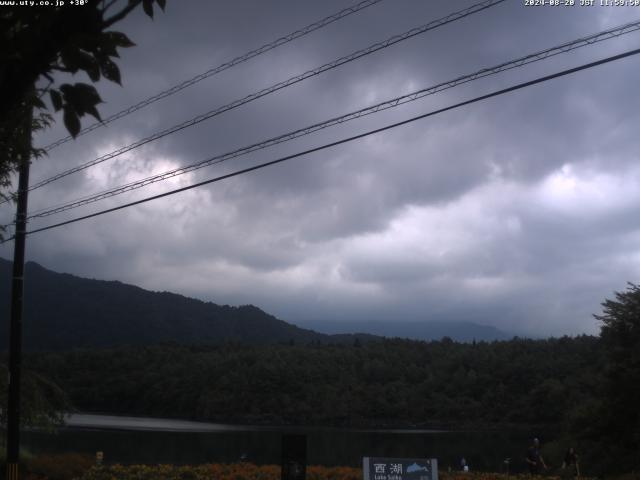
x=13, y=471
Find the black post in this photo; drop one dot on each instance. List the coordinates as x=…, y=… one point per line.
x=15, y=330
x=294, y=457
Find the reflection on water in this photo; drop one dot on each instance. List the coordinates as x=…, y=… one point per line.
x=147, y=440
x=84, y=420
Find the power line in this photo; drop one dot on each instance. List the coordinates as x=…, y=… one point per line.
x=527, y=59
x=345, y=140
x=452, y=17
x=220, y=68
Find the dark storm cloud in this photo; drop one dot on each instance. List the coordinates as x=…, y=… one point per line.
x=517, y=211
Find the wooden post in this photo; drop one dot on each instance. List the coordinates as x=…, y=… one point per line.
x=15, y=329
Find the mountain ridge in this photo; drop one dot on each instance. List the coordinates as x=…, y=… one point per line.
x=460, y=331
x=63, y=311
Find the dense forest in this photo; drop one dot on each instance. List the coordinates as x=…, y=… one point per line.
x=584, y=388
x=391, y=382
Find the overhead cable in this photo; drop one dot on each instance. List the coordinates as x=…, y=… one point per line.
x=394, y=102
x=452, y=17
x=345, y=140
x=220, y=68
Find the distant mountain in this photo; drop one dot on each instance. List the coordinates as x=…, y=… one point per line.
x=64, y=311
x=428, y=330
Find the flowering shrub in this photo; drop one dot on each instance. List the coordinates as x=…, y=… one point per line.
x=248, y=471
x=172, y=472
x=65, y=466
x=491, y=476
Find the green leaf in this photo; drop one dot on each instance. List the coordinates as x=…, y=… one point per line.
x=66, y=89
x=119, y=39
x=93, y=111
x=38, y=103
x=89, y=64
x=108, y=48
x=82, y=98
x=71, y=121
x=69, y=57
x=147, y=6
x=56, y=99
x=161, y=3
x=87, y=93
x=93, y=71
x=89, y=42
x=110, y=71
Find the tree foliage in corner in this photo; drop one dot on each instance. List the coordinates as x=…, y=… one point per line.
x=36, y=45
x=43, y=402
x=620, y=340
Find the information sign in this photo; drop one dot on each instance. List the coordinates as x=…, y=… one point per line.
x=376, y=468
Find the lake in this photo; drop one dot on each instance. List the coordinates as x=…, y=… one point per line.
x=153, y=440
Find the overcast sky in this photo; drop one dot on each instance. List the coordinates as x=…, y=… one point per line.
x=519, y=212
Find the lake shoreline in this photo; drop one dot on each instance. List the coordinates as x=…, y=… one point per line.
x=83, y=420
x=148, y=440
x=102, y=421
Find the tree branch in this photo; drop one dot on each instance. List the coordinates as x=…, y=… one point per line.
x=108, y=5
x=45, y=89
x=61, y=69
x=122, y=14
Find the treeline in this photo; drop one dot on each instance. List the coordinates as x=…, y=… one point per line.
x=392, y=382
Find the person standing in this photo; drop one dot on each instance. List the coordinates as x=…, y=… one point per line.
x=571, y=462
x=534, y=459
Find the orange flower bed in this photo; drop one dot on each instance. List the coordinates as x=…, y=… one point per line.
x=248, y=471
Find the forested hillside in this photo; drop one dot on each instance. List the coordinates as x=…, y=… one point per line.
x=64, y=311
x=392, y=382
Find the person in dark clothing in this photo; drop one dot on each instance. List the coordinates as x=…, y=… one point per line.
x=534, y=459
x=571, y=462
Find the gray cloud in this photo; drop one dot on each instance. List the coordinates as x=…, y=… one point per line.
x=516, y=212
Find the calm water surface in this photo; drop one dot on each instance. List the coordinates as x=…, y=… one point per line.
x=153, y=440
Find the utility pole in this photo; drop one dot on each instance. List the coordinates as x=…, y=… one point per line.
x=17, y=289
